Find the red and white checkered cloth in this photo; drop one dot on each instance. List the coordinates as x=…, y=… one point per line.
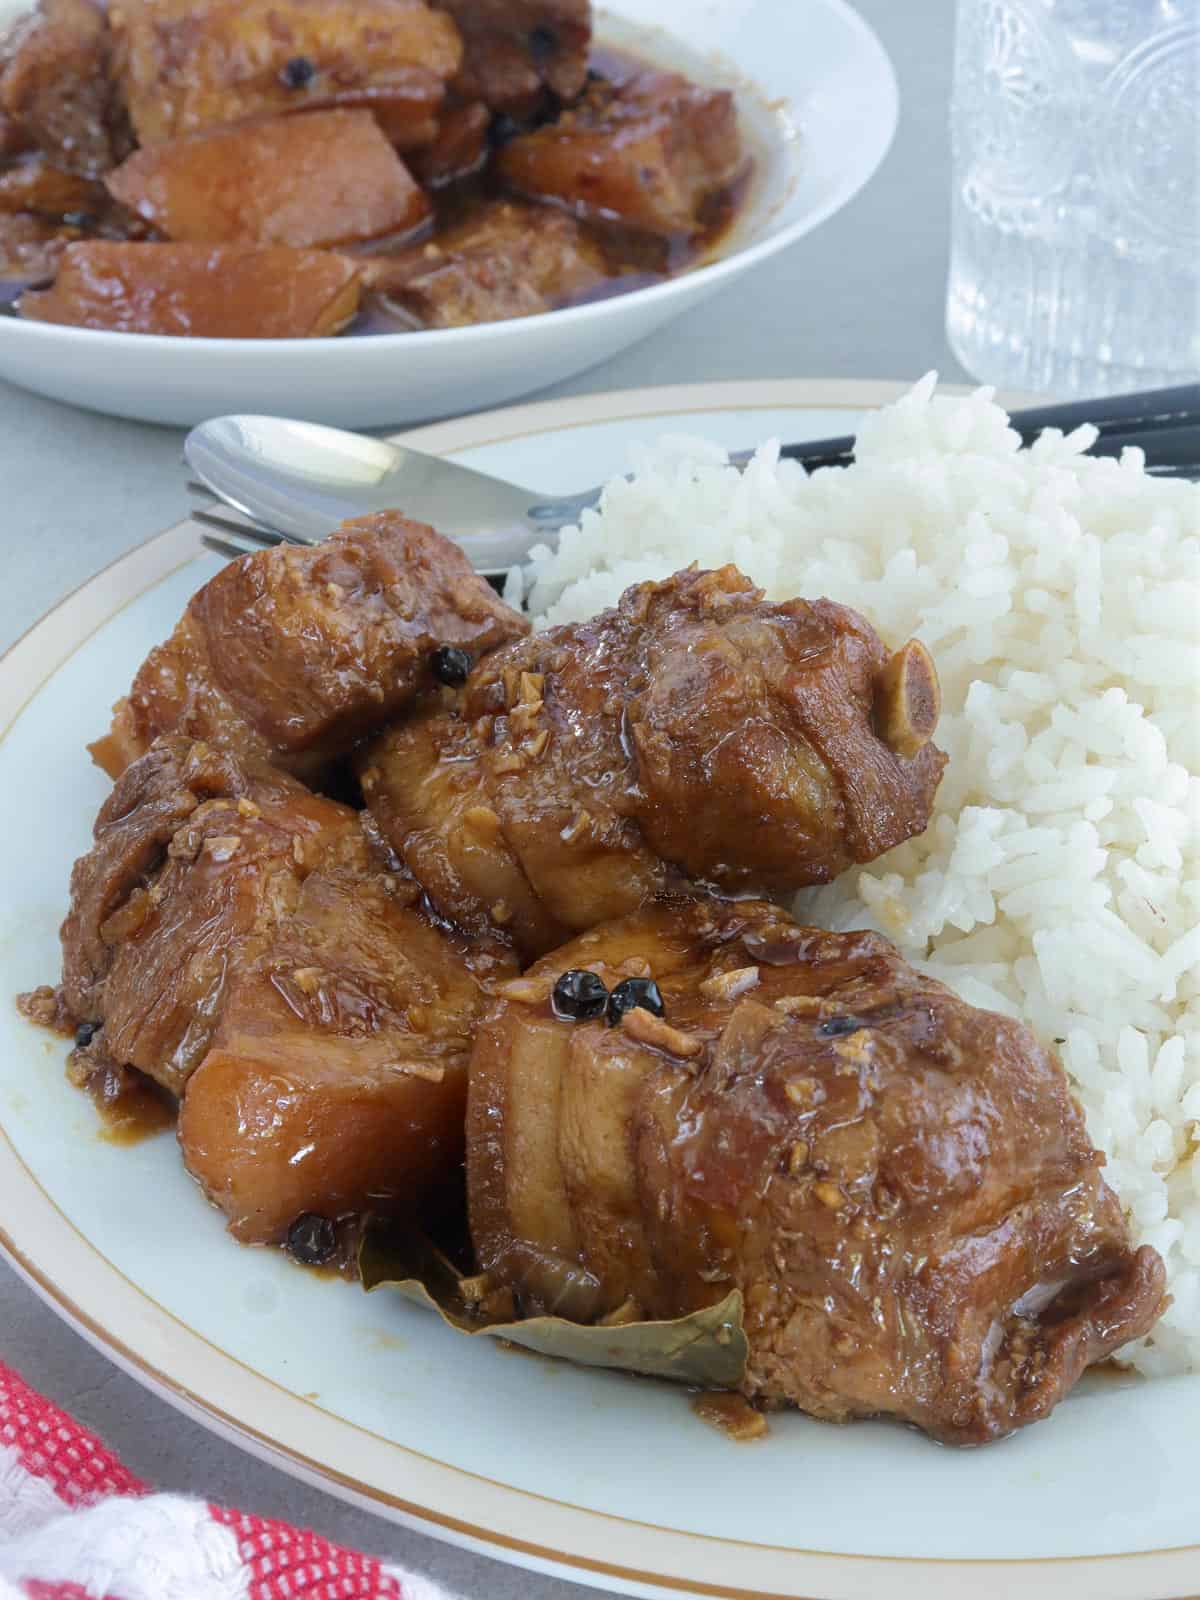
x=75, y=1525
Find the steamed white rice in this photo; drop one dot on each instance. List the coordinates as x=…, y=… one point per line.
x=1060, y=596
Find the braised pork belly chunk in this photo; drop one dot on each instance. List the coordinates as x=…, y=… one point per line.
x=900, y=1185
x=508, y=259
x=230, y=291
x=32, y=246
x=241, y=942
x=336, y=1079
x=185, y=65
x=696, y=730
x=197, y=859
x=648, y=153
x=427, y=788
x=56, y=91
x=520, y=53
x=329, y=178
x=33, y=184
x=294, y=654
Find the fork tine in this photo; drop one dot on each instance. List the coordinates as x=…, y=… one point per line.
x=251, y=532
x=224, y=547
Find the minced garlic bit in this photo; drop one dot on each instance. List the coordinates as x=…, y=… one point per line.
x=855, y=1049
x=829, y=1195
x=221, y=846
x=578, y=824
x=634, y=967
x=802, y=1005
x=307, y=979
x=248, y=808
x=728, y=985
x=419, y=1069
x=500, y=1305
x=801, y=1091
x=526, y=991
x=731, y=1414
x=522, y=718
x=646, y=1028
x=475, y=1289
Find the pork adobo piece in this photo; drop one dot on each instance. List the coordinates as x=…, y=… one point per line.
x=183, y=66
x=652, y=152
x=901, y=1186
x=694, y=731
x=295, y=653
x=394, y=136
x=243, y=943
x=222, y=291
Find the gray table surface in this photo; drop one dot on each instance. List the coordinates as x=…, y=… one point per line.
x=861, y=298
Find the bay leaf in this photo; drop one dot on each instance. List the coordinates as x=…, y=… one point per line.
x=707, y=1349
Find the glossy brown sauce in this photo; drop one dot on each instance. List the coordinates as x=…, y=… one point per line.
x=130, y=1107
x=636, y=260
x=129, y=1111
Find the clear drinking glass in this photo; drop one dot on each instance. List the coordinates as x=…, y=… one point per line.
x=1075, y=252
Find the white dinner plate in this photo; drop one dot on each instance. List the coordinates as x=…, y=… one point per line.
x=607, y=1479
x=819, y=104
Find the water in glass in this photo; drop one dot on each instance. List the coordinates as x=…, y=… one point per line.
x=1075, y=255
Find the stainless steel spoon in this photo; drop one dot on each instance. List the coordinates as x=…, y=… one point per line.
x=299, y=480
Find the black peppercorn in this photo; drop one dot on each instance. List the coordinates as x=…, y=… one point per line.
x=835, y=1027
x=504, y=130
x=298, y=73
x=312, y=1239
x=543, y=44
x=579, y=995
x=633, y=994
x=85, y=1033
x=451, y=665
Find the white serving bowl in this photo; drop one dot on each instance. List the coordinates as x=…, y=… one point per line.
x=819, y=104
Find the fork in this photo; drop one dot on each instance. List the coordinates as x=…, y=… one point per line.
x=293, y=482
